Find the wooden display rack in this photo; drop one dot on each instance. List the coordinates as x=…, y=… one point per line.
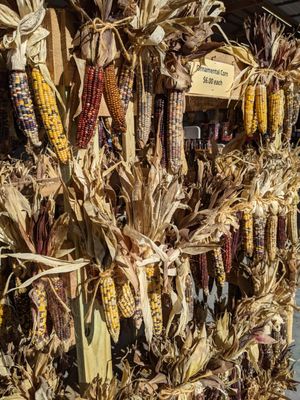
x=93, y=341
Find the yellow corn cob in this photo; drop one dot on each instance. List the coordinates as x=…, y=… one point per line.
x=261, y=108
x=271, y=236
x=39, y=299
x=154, y=293
x=219, y=265
x=46, y=102
x=109, y=302
x=247, y=221
x=293, y=225
x=254, y=125
x=289, y=110
x=126, y=300
x=274, y=104
x=249, y=109
x=113, y=99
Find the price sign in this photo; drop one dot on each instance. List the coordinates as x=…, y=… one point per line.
x=212, y=79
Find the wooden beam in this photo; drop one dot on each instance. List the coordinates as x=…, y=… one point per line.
x=277, y=11
x=239, y=5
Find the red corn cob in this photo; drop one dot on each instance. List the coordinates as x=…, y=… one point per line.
x=226, y=253
x=281, y=232
x=161, y=123
x=204, y=273
x=91, y=99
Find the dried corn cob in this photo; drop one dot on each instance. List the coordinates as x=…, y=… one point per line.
x=126, y=301
x=219, y=267
x=289, y=111
x=175, y=129
x=249, y=109
x=39, y=313
x=235, y=234
x=144, y=105
x=266, y=356
x=23, y=106
x=161, y=123
x=56, y=295
x=109, y=302
x=126, y=80
x=296, y=108
x=254, y=125
x=91, y=99
x=46, y=102
x=247, y=222
x=189, y=295
x=22, y=307
x=226, y=253
x=113, y=99
x=154, y=293
x=259, y=227
x=204, y=273
x=281, y=231
x=271, y=236
x=138, y=314
x=261, y=108
x=274, y=113
x=293, y=225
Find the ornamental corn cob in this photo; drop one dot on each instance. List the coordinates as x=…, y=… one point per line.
x=91, y=99
x=247, y=222
x=39, y=313
x=22, y=307
x=261, y=108
x=23, y=106
x=271, y=236
x=289, y=111
x=219, y=267
x=296, y=108
x=204, y=273
x=281, y=232
x=126, y=301
x=59, y=316
x=109, y=302
x=161, y=124
x=154, y=294
x=175, y=129
x=254, y=125
x=144, y=105
x=113, y=99
x=235, y=234
x=126, y=80
x=274, y=113
x=249, y=109
x=46, y=102
x=138, y=314
x=259, y=227
x=226, y=253
x=189, y=295
x=293, y=225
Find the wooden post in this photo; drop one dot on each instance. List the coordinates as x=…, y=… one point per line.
x=128, y=138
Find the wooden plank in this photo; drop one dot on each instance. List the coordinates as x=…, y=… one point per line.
x=242, y=4
x=128, y=138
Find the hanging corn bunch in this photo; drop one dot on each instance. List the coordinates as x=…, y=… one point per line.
x=91, y=99
x=271, y=231
x=249, y=110
x=113, y=99
x=204, y=273
x=126, y=81
x=144, y=88
x=259, y=226
x=175, y=129
x=247, y=232
x=219, y=267
x=154, y=293
x=261, y=108
x=289, y=111
x=23, y=106
x=110, y=307
x=39, y=312
x=46, y=102
x=126, y=301
x=161, y=123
